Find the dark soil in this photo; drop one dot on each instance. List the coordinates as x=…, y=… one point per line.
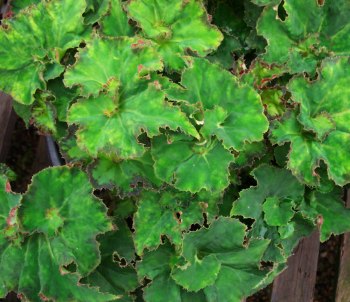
x=22, y=153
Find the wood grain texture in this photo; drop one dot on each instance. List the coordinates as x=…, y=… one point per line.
x=343, y=286
x=7, y=121
x=297, y=282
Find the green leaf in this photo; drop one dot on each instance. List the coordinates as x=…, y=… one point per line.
x=67, y=214
x=261, y=74
x=221, y=248
x=324, y=103
x=266, y=2
x=274, y=184
x=95, y=9
x=63, y=97
x=8, y=204
x=110, y=276
x=110, y=123
x=171, y=25
x=277, y=212
x=44, y=113
x=125, y=60
x=190, y=165
x=330, y=211
x=38, y=270
x=250, y=153
x=308, y=33
x=115, y=22
x=18, y=5
x=228, y=17
x=124, y=174
x=272, y=99
x=61, y=227
x=270, y=204
x=170, y=214
x=38, y=35
x=332, y=150
x=156, y=265
x=234, y=114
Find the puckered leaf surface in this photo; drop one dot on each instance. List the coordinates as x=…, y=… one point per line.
x=215, y=256
x=38, y=36
x=309, y=33
x=234, y=114
x=323, y=107
x=189, y=165
x=171, y=213
x=126, y=60
x=62, y=225
x=111, y=124
x=67, y=214
x=171, y=24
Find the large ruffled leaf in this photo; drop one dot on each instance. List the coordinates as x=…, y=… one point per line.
x=324, y=103
x=111, y=124
x=330, y=212
x=38, y=36
x=171, y=25
x=61, y=224
x=271, y=204
x=190, y=165
x=308, y=33
x=67, y=214
x=126, y=60
x=171, y=213
x=323, y=106
x=234, y=114
x=216, y=255
x=38, y=270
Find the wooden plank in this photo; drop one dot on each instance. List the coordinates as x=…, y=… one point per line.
x=297, y=282
x=343, y=286
x=7, y=122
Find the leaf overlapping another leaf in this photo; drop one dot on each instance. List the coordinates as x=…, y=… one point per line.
x=234, y=114
x=39, y=36
x=307, y=35
x=214, y=256
x=58, y=228
x=323, y=112
x=171, y=24
x=111, y=124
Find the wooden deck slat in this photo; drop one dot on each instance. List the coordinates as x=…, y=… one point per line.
x=7, y=121
x=343, y=286
x=297, y=282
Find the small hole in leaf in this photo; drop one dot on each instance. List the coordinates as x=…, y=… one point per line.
x=281, y=12
x=195, y=227
x=71, y=267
